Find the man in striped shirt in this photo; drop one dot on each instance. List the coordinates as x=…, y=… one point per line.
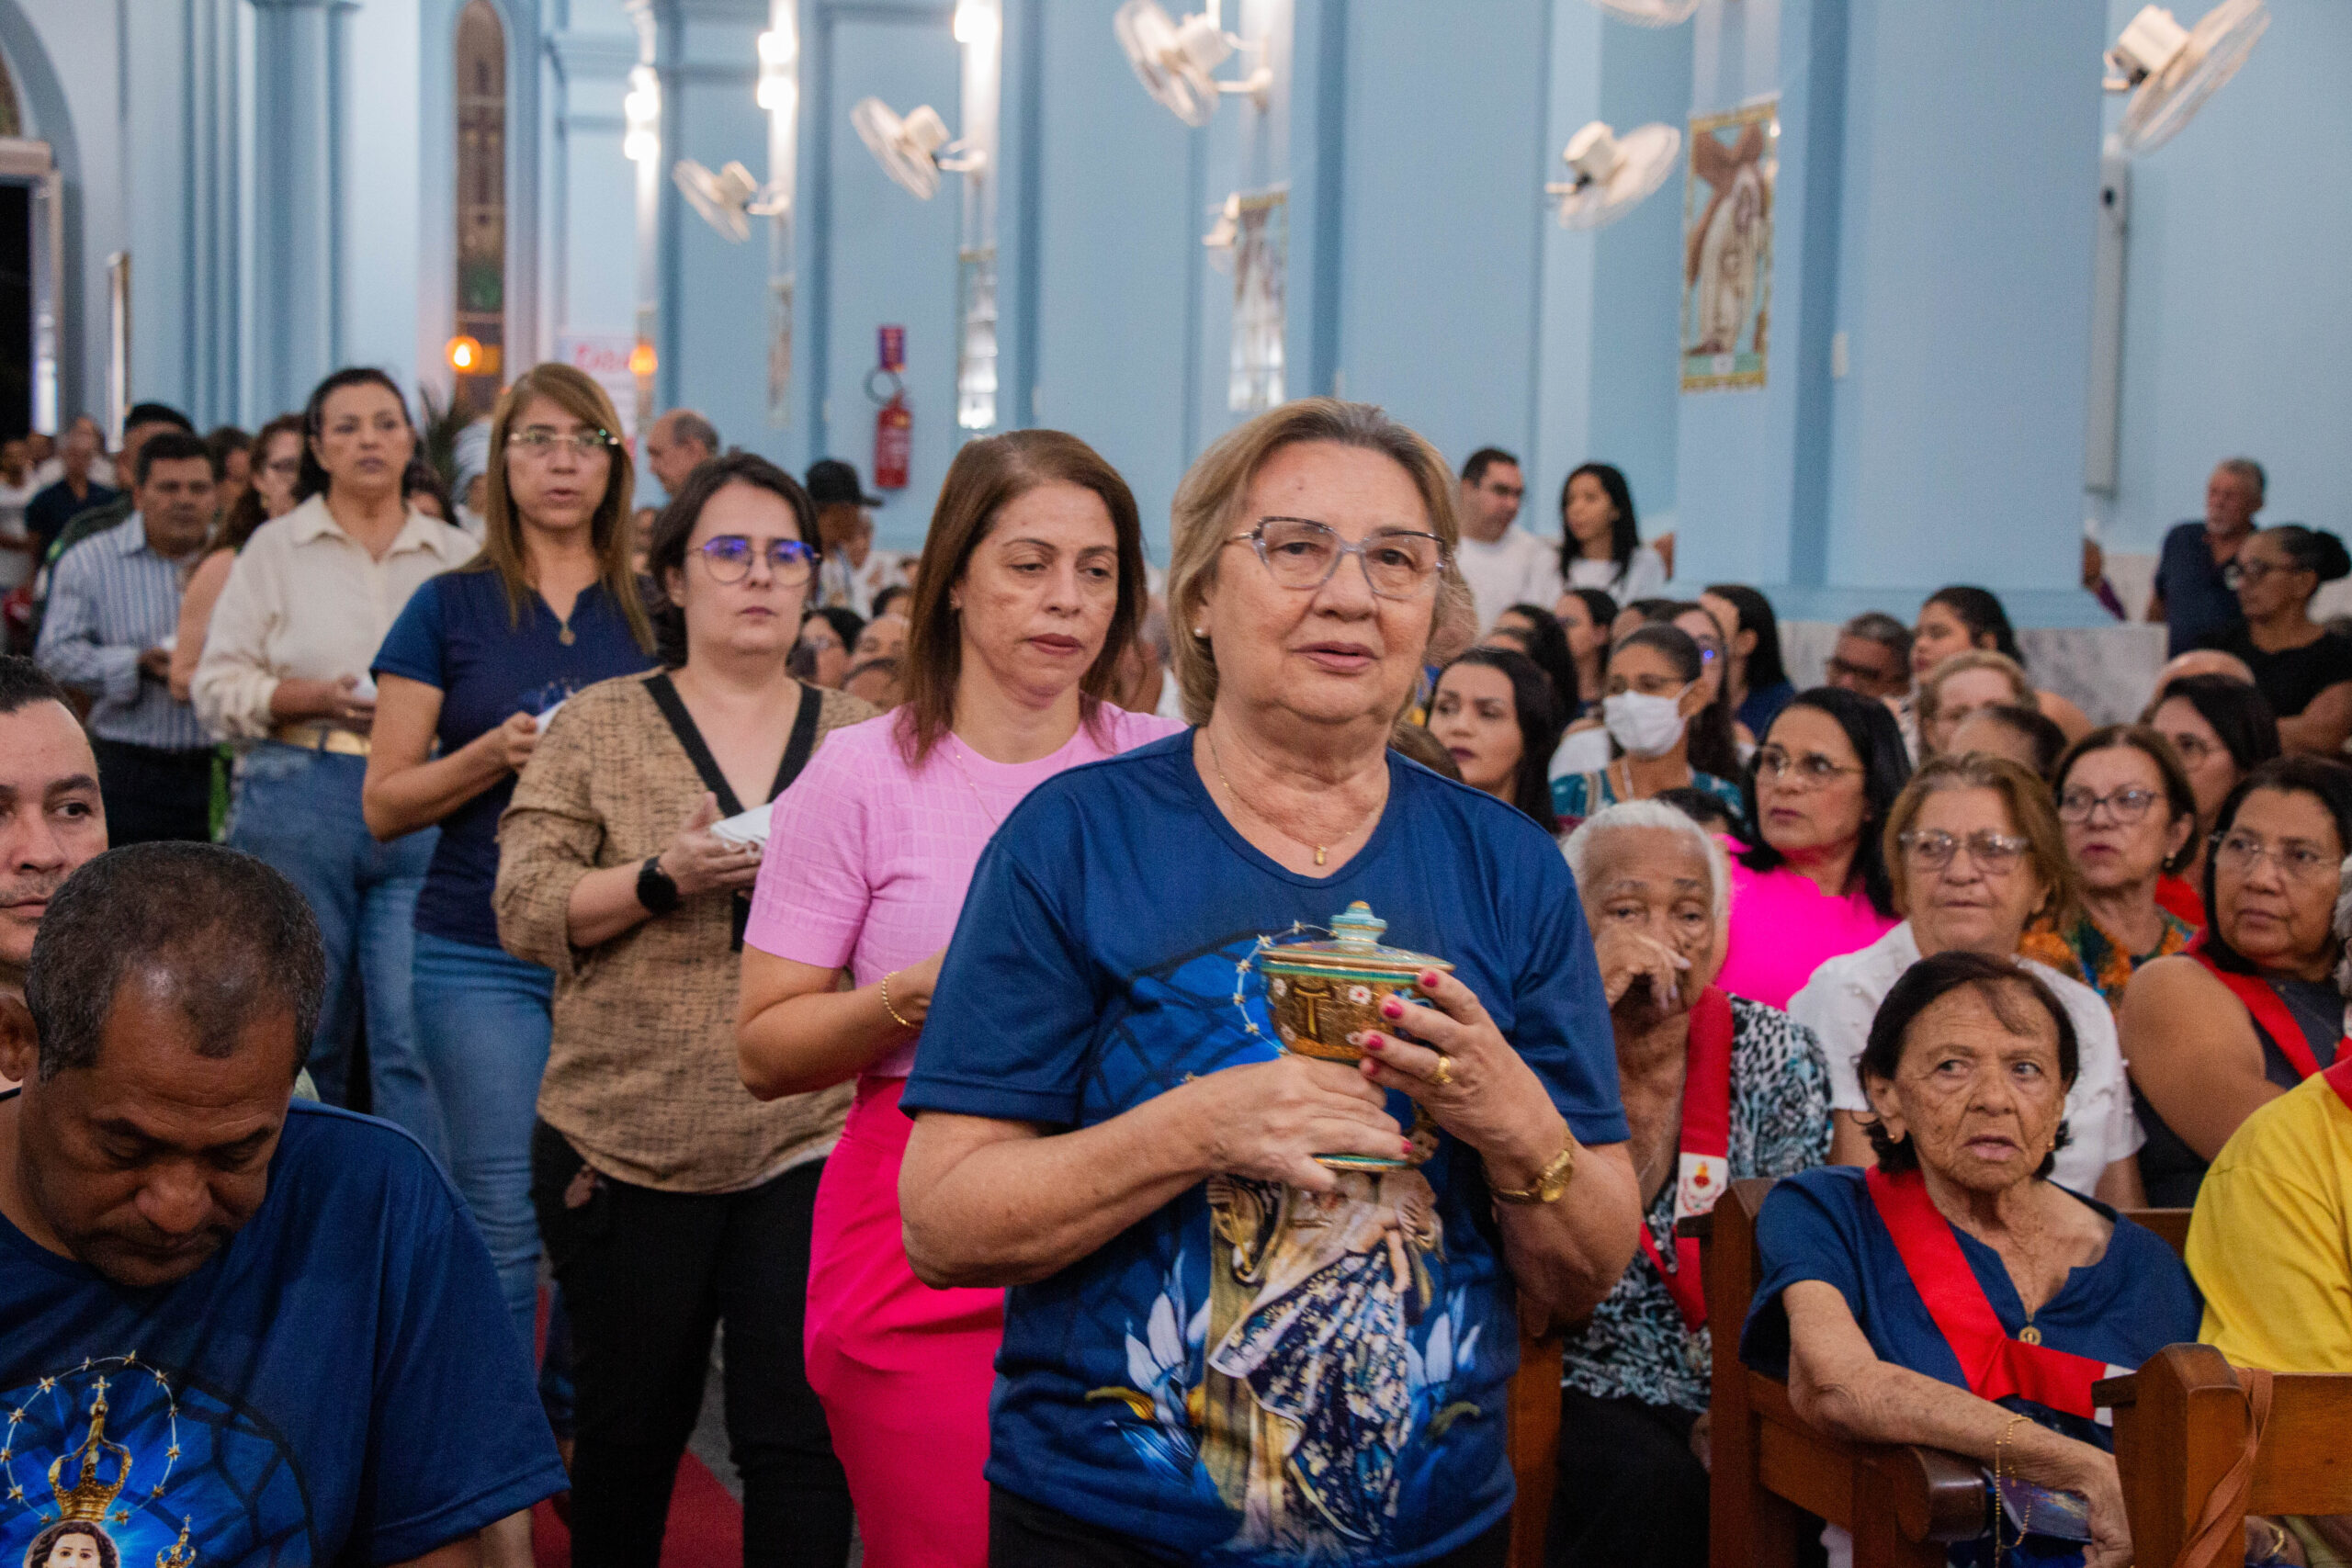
x=114, y=608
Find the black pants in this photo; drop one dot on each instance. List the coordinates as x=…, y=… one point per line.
x=646, y=1277
x=1023, y=1534
x=151, y=793
x=1631, y=1494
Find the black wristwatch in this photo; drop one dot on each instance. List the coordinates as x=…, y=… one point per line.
x=655, y=889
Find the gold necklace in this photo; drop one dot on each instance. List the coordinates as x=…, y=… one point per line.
x=1217, y=762
x=972, y=785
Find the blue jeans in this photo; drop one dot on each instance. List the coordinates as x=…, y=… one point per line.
x=483, y=1024
x=298, y=811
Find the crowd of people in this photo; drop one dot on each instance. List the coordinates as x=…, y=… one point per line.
x=1117, y=1054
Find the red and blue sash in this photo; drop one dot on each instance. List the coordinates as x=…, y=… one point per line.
x=1704, y=1168
x=1996, y=1365
x=2262, y=1004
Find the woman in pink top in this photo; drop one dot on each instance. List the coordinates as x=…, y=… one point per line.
x=1815, y=885
x=1032, y=585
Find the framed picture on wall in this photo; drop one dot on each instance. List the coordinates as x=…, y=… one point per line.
x=1727, y=246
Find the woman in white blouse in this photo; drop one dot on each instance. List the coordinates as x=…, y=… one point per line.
x=1600, y=540
x=1975, y=851
x=285, y=666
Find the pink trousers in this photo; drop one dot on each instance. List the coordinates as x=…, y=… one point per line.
x=904, y=1372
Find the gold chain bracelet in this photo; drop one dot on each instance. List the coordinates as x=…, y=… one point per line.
x=901, y=1022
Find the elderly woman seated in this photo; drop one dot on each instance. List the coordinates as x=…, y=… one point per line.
x=1953, y=1295
x=1717, y=1089
x=1975, y=852
x=2271, y=1247
x=2253, y=1011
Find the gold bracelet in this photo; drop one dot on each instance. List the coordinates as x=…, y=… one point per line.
x=901, y=1022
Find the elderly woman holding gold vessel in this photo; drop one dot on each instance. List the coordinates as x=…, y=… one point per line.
x=1264, y=1304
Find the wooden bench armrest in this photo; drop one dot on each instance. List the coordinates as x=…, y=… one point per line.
x=1938, y=1495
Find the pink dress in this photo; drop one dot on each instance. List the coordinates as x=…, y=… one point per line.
x=867, y=865
x=1783, y=928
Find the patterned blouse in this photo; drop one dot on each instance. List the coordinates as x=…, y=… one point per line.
x=2084, y=950
x=1635, y=1345
x=1581, y=794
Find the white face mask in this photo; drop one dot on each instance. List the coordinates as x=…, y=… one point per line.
x=1643, y=725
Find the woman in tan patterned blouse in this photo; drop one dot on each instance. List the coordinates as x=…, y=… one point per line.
x=669, y=1199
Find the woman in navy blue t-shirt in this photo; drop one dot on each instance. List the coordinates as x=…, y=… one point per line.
x=1216, y=1347
x=473, y=667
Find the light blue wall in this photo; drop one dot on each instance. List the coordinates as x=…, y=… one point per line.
x=1937, y=173
x=2235, y=329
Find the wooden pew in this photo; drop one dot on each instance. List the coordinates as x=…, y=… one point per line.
x=1535, y=1409
x=2180, y=1423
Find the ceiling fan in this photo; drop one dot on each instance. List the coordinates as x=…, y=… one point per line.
x=913, y=151
x=1613, y=175
x=1176, y=62
x=2170, y=69
x=728, y=199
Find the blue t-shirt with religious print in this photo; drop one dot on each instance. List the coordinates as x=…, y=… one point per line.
x=1821, y=1224
x=1256, y=1374
x=337, y=1383
x=460, y=634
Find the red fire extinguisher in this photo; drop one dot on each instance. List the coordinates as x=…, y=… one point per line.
x=894, y=421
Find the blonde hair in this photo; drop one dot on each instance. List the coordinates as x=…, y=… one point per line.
x=611, y=531
x=1931, y=685
x=2028, y=800
x=1207, y=514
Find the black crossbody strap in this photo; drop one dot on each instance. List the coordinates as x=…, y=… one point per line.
x=681, y=724
x=803, y=742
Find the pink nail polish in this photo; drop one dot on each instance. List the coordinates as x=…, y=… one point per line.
x=1429, y=981
x=1374, y=1042
x=1392, y=1007
x=1408, y=1148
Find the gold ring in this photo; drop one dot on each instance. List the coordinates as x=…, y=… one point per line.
x=1444, y=1074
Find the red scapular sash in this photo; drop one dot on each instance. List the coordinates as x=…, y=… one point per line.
x=1705, y=1169
x=2267, y=1011
x=1996, y=1365
x=2339, y=1076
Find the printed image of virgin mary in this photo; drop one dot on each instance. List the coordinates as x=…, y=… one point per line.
x=1309, y=1396
x=73, y=1543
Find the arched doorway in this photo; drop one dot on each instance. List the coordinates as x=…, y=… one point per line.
x=482, y=198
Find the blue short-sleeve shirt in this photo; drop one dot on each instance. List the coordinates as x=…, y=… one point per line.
x=459, y=636
x=338, y=1383
x=1254, y=1373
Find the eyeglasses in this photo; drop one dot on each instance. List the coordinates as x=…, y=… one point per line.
x=2237, y=853
x=2126, y=806
x=2240, y=572
x=1994, y=853
x=1813, y=768
x=1853, y=671
x=1301, y=553
x=729, y=559
x=537, y=443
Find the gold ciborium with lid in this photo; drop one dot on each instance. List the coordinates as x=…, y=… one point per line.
x=1321, y=992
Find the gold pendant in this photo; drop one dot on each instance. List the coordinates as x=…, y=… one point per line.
x=564, y=637
x=1319, y=854
x=2029, y=1335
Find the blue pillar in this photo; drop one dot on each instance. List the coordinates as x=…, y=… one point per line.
x=297, y=148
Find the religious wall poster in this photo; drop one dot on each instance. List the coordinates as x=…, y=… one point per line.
x=1727, y=246
x=1261, y=257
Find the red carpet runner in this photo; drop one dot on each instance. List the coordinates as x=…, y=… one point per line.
x=706, y=1525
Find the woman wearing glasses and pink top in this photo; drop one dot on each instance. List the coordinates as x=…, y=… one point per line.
x=1974, y=851
x=1811, y=880
x=1032, y=587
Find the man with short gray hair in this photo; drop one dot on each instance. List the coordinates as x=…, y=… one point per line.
x=677, y=443
x=2192, y=596
x=1872, y=657
x=275, y=1317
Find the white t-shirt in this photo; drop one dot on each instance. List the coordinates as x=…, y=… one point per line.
x=1838, y=1003
x=1644, y=578
x=1518, y=569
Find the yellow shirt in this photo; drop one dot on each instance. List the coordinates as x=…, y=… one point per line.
x=2271, y=1241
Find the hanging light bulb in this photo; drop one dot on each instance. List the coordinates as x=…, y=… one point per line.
x=779, y=54
x=641, y=111
x=977, y=21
